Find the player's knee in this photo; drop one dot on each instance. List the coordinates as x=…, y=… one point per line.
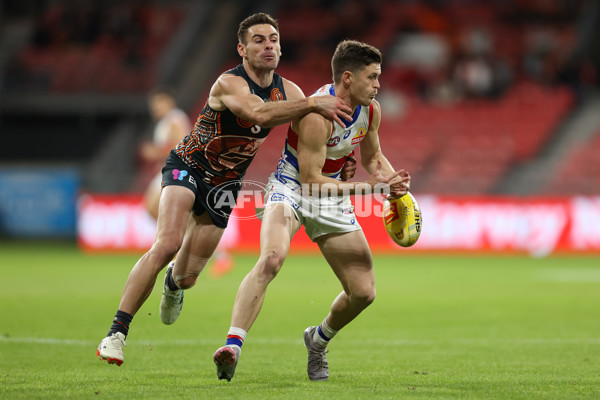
x=165, y=249
x=364, y=297
x=271, y=264
x=186, y=281
x=159, y=257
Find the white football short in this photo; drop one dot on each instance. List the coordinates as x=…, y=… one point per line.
x=319, y=216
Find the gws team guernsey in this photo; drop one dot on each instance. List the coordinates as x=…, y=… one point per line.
x=222, y=145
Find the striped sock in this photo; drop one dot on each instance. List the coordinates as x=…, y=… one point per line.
x=235, y=337
x=323, y=334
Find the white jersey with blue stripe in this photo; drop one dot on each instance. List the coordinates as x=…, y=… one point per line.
x=340, y=146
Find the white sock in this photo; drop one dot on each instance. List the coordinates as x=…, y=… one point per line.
x=323, y=334
x=236, y=337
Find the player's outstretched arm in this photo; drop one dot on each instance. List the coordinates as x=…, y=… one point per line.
x=232, y=92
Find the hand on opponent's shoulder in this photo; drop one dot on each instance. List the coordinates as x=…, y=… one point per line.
x=330, y=107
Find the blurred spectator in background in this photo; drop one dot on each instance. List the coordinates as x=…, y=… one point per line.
x=172, y=125
x=478, y=71
x=94, y=46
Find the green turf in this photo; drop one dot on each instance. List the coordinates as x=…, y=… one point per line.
x=442, y=327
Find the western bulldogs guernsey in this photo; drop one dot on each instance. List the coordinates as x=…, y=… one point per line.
x=222, y=145
x=339, y=147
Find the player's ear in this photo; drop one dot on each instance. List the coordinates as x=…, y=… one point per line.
x=347, y=77
x=241, y=50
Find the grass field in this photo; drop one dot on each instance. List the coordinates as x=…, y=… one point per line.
x=442, y=327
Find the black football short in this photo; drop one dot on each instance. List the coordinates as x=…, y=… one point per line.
x=217, y=201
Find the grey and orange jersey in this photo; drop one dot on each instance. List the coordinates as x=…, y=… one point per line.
x=221, y=145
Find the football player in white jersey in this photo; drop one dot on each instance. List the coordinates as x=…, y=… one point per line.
x=306, y=189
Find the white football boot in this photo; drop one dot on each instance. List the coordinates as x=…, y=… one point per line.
x=171, y=302
x=110, y=349
x=318, y=368
x=226, y=359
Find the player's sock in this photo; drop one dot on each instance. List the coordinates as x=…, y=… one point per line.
x=120, y=323
x=170, y=281
x=235, y=337
x=323, y=334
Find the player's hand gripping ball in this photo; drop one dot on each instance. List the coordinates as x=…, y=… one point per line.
x=402, y=220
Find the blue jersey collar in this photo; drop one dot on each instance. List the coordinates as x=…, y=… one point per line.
x=356, y=112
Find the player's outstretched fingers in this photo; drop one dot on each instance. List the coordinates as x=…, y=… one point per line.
x=389, y=178
x=339, y=121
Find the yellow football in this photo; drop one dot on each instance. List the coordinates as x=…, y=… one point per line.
x=402, y=220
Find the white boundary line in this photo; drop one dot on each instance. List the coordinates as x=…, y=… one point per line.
x=202, y=342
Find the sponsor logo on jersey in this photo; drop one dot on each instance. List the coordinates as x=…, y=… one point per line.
x=179, y=175
x=192, y=181
x=333, y=141
x=276, y=95
x=348, y=210
x=359, y=136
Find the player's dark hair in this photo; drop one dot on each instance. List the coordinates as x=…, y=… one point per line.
x=255, y=19
x=352, y=55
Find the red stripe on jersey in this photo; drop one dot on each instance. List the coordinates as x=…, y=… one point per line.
x=292, y=138
x=333, y=166
x=370, y=115
x=330, y=166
